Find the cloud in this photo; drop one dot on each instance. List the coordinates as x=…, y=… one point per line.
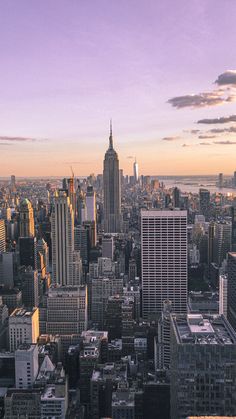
x=194, y=131
x=205, y=137
x=198, y=101
x=7, y=144
x=204, y=143
x=170, y=138
x=16, y=139
x=186, y=145
x=225, y=142
x=130, y=157
x=221, y=120
x=227, y=78
x=230, y=130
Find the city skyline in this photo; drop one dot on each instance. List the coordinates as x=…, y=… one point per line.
x=166, y=76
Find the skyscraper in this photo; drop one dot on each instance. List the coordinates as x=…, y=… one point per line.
x=204, y=201
x=62, y=240
x=164, y=260
x=111, y=184
x=135, y=171
x=231, y=291
x=26, y=219
x=2, y=236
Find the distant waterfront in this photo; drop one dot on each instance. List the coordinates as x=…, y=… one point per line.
x=194, y=183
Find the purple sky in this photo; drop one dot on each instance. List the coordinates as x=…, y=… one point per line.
x=67, y=66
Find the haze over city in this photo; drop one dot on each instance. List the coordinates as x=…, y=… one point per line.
x=155, y=68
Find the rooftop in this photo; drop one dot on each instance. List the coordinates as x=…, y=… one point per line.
x=199, y=329
x=22, y=312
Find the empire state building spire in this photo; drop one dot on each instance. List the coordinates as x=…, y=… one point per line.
x=111, y=184
x=110, y=137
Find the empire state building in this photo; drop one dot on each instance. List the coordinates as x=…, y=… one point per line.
x=111, y=185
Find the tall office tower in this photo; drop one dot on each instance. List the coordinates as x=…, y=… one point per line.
x=111, y=185
x=62, y=240
x=164, y=260
x=26, y=219
x=203, y=368
x=2, y=236
x=7, y=268
x=26, y=365
x=71, y=192
x=223, y=294
x=220, y=180
x=82, y=243
x=28, y=251
x=65, y=311
x=222, y=241
x=233, y=236
x=81, y=208
x=176, y=198
x=91, y=204
x=234, y=180
x=30, y=287
x=102, y=289
x=231, y=294
x=108, y=247
x=13, y=183
x=135, y=171
x=23, y=327
x=42, y=248
x=211, y=237
x=204, y=202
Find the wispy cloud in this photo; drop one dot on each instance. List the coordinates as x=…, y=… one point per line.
x=230, y=130
x=5, y=144
x=170, y=138
x=227, y=142
x=186, y=145
x=130, y=157
x=221, y=120
x=200, y=100
x=205, y=137
x=16, y=139
x=204, y=143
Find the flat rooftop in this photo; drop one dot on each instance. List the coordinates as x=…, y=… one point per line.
x=203, y=329
x=22, y=312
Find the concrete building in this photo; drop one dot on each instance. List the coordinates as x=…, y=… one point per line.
x=164, y=260
x=64, y=310
x=7, y=269
x=203, y=368
x=223, y=295
x=108, y=247
x=231, y=292
x=26, y=365
x=62, y=240
x=2, y=236
x=23, y=327
x=26, y=219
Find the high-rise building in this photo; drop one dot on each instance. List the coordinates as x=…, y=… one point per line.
x=223, y=297
x=222, y=241
x=26, y=219
x=111, y=185
x=13, y=183
x=2, y=236
x=91, y=204
x=176, y=198
x=203, y=368
x=204, y=202
x=164, y=260
x=64, y=311
x=30, y=287
x=7, y=268
x=220, y=180
x=233, y=235
x=42, y=248
x=135, y=171
x=62, y=240
x=26, y=365
x=231, y=291
x=23, y=327
x=28, y=251
x=108, y=247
